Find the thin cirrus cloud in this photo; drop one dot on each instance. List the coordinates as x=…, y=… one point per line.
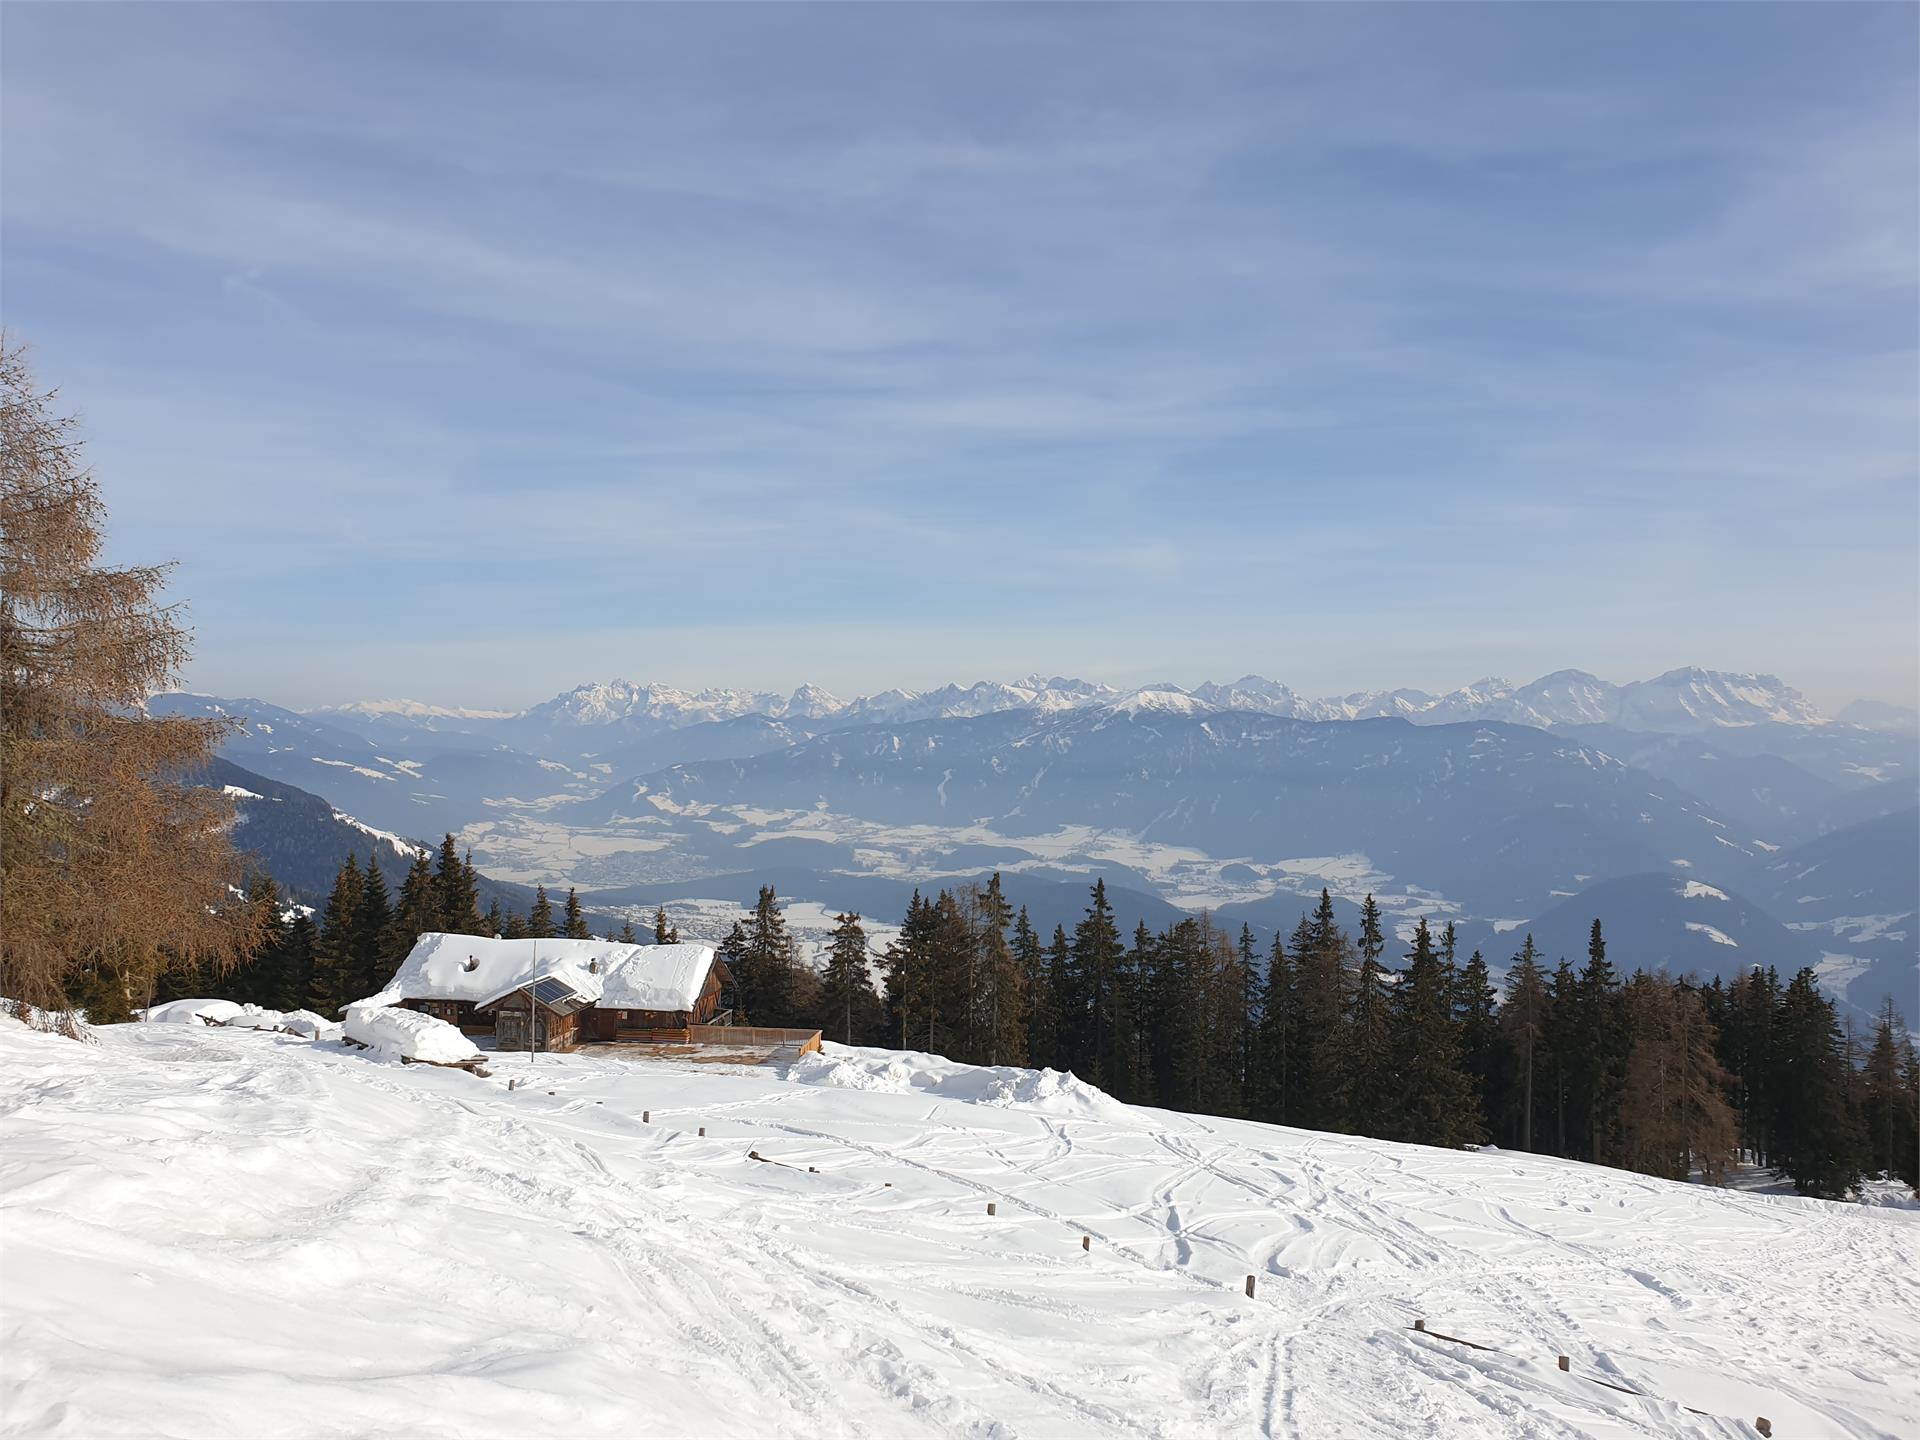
x=1359, y=345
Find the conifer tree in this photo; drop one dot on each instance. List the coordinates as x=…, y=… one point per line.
x=1524, y=1026
x=1370, y=1085
x=627, y=935
x=574, y=925
x=772, y=988
x=1097, y=959
x=295, y=985
x=1563, y=1046
x=1004, y=977
x=1888, y=1104
x=663, y=933
x=1245, y=1019
x=416, y=912
x=540, y=917
x=908, y=964
x=1816, y=1141
x=1279, y=1039
x=849, y=1009
x=1475, y=1015
x=335, y=953
x=260, y=980
x=493, y=923
x=1435, y=1102
x=733, y=954
x=1037, y=1020
x=1061, y=996
x=1600, y=1056
x=372, y=934
x=1321, y=991
x=514, y=927
x=459, y=896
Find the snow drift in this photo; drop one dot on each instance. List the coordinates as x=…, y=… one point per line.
x=408, y=1034
x=905, y=1072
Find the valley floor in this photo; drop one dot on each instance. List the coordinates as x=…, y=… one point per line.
x=228, y=1233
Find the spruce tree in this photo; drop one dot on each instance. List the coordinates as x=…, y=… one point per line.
x=1370, y=1085
x=262, y=977
x=455, y=884
x=1887, y=1110
x=1816, y=1141
x=373, y=919
x=574, y=925
x=663, y=933
x=1038, y=1022
x=849, y=1010
x=1435, y=1102
x=335, y=954
x=733, y=955
x=1601, y=1053
x=1525, y=1022
x=1563, y=1047
x=296, y=967
x=1475, y=1015
x=1004, y=975
x=1279, y=1041
x=1061, y=996
x=627, y=935
x=1321, y=990
x=540, y=917
x=907, y=966
x=1097, y=957
x=774, y=994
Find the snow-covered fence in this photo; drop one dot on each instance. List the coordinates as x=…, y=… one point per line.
x=1761, y=1423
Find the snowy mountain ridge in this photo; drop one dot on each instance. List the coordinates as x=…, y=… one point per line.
x=1686, y=700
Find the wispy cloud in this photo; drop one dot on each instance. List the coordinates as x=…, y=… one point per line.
x=1362, y=340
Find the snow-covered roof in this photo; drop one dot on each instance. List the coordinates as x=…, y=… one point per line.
x=610, y=974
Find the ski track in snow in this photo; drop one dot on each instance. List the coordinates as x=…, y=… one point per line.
x=237, y=1233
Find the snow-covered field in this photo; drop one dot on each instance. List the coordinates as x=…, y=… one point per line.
x=220, y=1232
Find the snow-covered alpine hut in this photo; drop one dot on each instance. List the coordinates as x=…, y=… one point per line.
x=574, y=991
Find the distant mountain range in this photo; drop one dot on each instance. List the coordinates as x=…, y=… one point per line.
x=1681, y=701
x=1498, y=807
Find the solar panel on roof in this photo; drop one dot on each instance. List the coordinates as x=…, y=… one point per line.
x=552, y=992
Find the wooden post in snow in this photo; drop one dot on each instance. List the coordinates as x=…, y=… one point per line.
x=1563, y=1362
x=991, y=1209
x=1249, y=1287
x=1420, y=1325
x=1763, y=1425
x=1086, y=1242
x=703, y=1130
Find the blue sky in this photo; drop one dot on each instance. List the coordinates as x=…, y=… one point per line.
x=470, y=353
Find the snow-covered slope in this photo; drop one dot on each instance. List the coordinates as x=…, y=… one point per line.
x=216, y=1233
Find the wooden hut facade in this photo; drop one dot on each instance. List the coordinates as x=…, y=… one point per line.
x=569, y=992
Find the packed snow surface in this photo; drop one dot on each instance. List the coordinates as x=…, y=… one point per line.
x=614, y=976
x=226, y=1233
